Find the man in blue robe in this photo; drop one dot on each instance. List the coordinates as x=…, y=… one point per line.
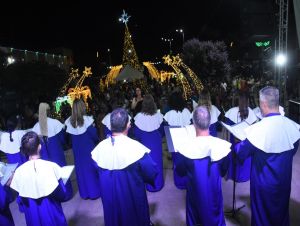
x=204, y=161
x=272, y=143
x=124, y=167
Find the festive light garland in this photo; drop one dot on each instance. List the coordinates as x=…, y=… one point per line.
x=111, y=76
x=73, y=75
x=152, y=71
x=180, y=76
x=80, y=91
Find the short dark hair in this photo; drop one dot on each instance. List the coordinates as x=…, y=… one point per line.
x=201, y=117
x=118, y=120
x=30, y=143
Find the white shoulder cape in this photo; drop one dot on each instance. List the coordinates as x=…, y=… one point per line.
x=148, y=123
x=259, y=115
x=87, y=122
x=234, y=115
x=205, y=146
x=36, y=178
x=214, y=114
x=175, y=118
x=13, y=147
x=54, y=127
x=123, y=153
x=273, y=134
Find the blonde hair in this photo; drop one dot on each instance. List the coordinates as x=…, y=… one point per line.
x=78, y=111
x=204, y=99
x=43, y=110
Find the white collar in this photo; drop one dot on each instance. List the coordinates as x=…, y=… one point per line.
x=205, y=146
x=234, y=116
x=273, y=134
x=148, y=123
x=106, y=120
x=123, y=153
x=259, y=115
x=87, y=122
x=214, y=114
x=36, y=178
x=54, y=127
x=178, y=118
x=11, y=147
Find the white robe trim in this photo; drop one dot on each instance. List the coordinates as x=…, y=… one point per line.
x=36, y=178
x=123, y=153
x=259, y=115
x=214, y=114
x=273, y=134
x=175, y=118
x=54, y=127
x=148, y=123
x=234, y=115
x=106, y=120
x=205, y=146
x=87, y=122
x=12, y=147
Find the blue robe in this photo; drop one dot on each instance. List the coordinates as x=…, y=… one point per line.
x=241, y=172
x=53, y=150
x=5, y=214
x=86, y=173
x=153, y=141
x=46, y=210
x=16, y=158
x=123, y=193
x=270, y=183
x=204, y=200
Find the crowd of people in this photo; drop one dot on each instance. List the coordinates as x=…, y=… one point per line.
x=117, y=137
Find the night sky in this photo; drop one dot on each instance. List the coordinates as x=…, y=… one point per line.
x=86, y=27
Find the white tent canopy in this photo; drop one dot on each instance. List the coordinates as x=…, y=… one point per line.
x=129, y=74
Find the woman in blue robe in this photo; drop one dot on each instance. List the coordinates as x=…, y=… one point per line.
x=148, y=130
x=53, y=139
x=178, y=115
x=84, y=138
x=39, y=185
x=124, y=167
x=5, y=214
x=10, y=142
x=238, y=172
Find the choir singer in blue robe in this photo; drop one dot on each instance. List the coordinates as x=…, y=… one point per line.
x=272, y=143
x=40, y=186
x=204, y=160
x=124, y=167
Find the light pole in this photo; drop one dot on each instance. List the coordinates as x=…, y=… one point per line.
x=182, y=33
x=170, y=43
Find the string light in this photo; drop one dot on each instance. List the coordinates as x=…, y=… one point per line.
x=152, y=70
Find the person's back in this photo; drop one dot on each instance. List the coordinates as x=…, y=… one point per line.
x=39, y=185
x=272, y=143
x=124, y=167
x=204, y=161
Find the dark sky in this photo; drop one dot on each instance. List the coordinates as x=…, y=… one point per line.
x=87, y=27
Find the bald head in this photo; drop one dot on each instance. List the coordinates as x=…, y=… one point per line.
x=201, y=118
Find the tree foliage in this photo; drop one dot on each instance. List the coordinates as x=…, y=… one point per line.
x=207, y=58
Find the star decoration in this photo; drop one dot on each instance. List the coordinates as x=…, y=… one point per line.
x=124, y=18
x=87, y=71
